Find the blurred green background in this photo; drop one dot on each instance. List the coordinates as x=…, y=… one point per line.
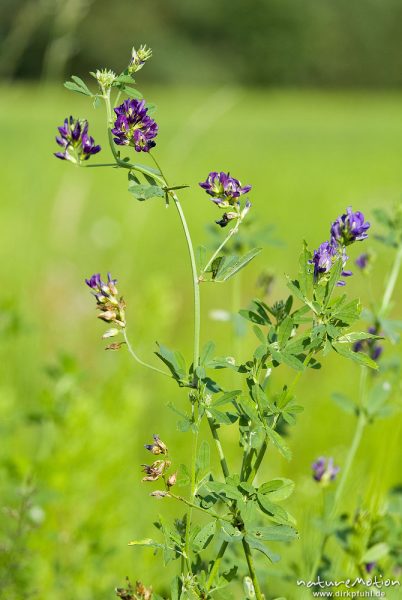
x=238, y=87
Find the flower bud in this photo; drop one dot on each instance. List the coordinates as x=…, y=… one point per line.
x=159, y=494
x=158, y=447
x=171, y=481
x=110, y=333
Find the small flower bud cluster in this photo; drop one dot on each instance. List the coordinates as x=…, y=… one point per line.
x=110, y=305
x=105, y=78
x=139, y=58
x=347, y=229
x=159, y=468
x=77, y=145
x=324, y=470
x=225, y=192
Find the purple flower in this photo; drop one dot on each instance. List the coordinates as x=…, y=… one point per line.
x=324, y=470
x=349, y=228
x=370, y=346
x=76, y=143
x=325, y=257
x=134, y=127
x=362, y=261
x=370, y=566
x=223, y=188
x=109, y=303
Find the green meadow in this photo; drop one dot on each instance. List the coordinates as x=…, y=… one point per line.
x=73, y=417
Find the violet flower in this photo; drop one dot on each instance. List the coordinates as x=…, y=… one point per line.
x=111, y=306
x=362, y=261
x=325, y=257
x=349, y=228
x=324, y=470
x=134, y=127
x=223, y=188
x=77, y=145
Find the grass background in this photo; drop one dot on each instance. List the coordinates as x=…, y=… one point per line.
x=74, y=417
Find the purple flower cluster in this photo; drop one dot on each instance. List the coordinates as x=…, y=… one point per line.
x=223, y=188
x=225, y=191
x=134, y=127
x=370, y=346
x=111, y=306
x=325, y=256
x=349, y=227
x=76, y=143
x=324, y=470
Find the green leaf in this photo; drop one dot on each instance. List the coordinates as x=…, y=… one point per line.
x=270, y=508
x=222, y=418
x=257, y=545
x=226, y=398
x=146, y=542
x=145, y=192
x=204, y=537
x=377, y=397
x=357, y=336
x=207, y=352
x=277, y=489
x=132, y=92
x=230, y=265
x=260, y=335
x=204, y=456
x=252, y=316
x=230, y=533
x=284, y=331
x=334, y=277
x=288, y=359
x=294, y=286
x=275, y=533
x=279, y=443
x=77, y=85
x=344, y=402
x=375, y=553
x=359, y=357
x=346, y=313
x=82, y=84
x=183, y=476
x=174, y=361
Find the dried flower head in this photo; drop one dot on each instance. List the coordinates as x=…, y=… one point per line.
x=171, y=480
x=324, y=470
x=158, y=447
x=139, y=58
x=134, y=127
x=349, y=227
x=156, y=470
x=77, y=145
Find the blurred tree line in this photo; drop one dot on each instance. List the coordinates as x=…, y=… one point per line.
x=262, y=42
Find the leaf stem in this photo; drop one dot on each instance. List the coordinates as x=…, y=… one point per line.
x=234, y=230
x=214, y=431
x=197, y=507
x=215, y=567
x=138, y=359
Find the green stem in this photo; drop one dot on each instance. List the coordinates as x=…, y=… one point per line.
x=196, y=285
x=137, y=358
x=234, y=230
x=251, y=568
x=361, y=423
x=392, y=281
x=217, y=563
x=192, y=495
x=214, y=431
